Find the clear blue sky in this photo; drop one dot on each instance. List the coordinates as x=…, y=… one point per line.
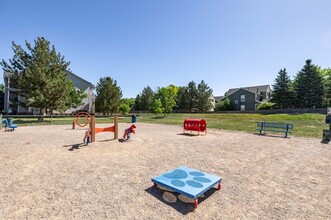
x=227, y=43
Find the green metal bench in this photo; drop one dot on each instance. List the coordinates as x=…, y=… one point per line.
x=274, y=127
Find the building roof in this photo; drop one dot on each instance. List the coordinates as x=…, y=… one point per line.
x=253, y=89
x=78, y=81
x=218, y=98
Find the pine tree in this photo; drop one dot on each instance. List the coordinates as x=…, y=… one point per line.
x=137, y=102
x=308, y=87
x=108, y=96
x=204, y=94
x=40, y=75
x=146, y=96
x=191, y=96
x=282, y=94
x=181, y=100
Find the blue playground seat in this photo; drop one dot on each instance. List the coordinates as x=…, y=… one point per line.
x=8, y=126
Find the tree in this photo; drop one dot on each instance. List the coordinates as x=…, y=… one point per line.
x=129, y=101
x=326, y=76
x=282, y=94
x=144, y=99
x=204, y=94
x=147, y=96
x=191, y=96
x=2, y=87
x=108, y=96
x=181, y=100
x=224, y=105
x=167, y=97
x=156, y=107
x=75, y=98
x=308, y=87
x=137, y=102
x=40, y=75
x=126, y=105
x=124, y=108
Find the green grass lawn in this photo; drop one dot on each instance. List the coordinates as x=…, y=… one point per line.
x=305, y=125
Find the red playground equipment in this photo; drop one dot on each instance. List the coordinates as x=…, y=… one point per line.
x=198, y=125
x=128, y=131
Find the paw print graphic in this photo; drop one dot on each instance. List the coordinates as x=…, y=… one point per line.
x=181, y=178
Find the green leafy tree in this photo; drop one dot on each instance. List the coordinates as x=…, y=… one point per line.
x=282, y=94
x=224, y=105
x=167, y=97
x=126, y=105
x=2, y=87
x=108, y=96
x=129, y=101
x=156, y=107
x=266, y=106
x=204, y=94
x=326, y=76
x=308, y=87
x=40, y=75
x=124, y=108
x=75, y=97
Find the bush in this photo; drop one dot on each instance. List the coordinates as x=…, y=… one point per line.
x=224, y=105
x=266, y=106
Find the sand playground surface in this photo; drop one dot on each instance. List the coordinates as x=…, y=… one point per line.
x=48, y=173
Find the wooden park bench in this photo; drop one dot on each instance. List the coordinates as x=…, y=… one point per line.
x=274, y=127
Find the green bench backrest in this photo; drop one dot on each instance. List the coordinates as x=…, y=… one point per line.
x=274, y=125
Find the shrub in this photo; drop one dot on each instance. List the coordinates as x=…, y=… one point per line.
x=266, y=106
x=224, y=105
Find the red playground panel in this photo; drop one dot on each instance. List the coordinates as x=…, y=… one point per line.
x=198, y=125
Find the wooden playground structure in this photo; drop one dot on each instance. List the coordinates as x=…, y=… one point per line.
x=90, y=119
x=95, y=130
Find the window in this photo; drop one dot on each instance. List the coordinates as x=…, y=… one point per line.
x=242, y=107
x=236, y=102
x=242, y=98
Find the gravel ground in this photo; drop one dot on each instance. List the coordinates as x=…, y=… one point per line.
x=48, y=173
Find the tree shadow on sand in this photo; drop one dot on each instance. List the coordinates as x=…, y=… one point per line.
x=176, y=200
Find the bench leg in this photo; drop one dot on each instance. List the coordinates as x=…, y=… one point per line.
x=196, y=203
x=155, y=185
x=286, y=134
x=219, y=185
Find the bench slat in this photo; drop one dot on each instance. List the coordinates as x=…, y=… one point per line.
x=274, y=130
